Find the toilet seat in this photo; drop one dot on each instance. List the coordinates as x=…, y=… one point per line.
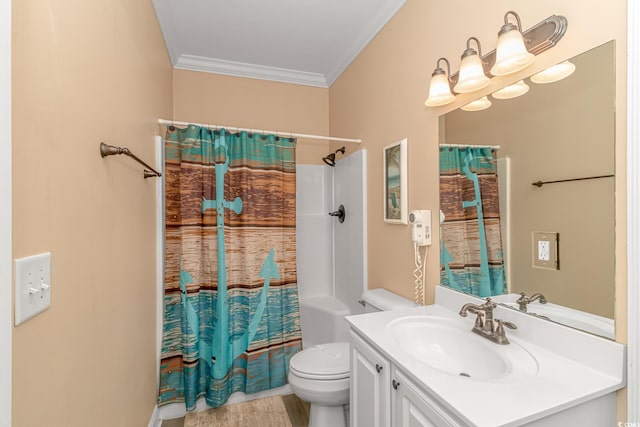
x=322, y=362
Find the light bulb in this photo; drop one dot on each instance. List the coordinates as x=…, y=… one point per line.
x=554, y=73
x=471, y=76
x=511, y=53
x=477, y=105
x=511, y=91
x=439, y=89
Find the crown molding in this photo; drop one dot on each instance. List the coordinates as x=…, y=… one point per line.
x=241, y=69
x=367, y=34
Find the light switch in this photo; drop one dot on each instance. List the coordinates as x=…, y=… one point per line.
x=32, y=286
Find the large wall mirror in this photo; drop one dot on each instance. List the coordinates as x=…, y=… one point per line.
x=555, y=238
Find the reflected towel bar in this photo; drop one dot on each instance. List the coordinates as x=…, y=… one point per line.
x=541, y=183
x=110, y=150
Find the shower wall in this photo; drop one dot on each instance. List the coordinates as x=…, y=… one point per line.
x=314, y=230
x=349, y=238
x=332, y=256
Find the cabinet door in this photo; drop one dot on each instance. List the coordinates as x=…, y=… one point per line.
x=411, y=407
x=370, y=389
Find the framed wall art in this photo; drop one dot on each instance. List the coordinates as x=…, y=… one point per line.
x=395, y=182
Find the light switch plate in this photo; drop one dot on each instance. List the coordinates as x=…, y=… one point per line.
x=544, y=248
x=32, y=286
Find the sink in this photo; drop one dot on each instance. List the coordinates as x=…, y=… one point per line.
x=449, y=346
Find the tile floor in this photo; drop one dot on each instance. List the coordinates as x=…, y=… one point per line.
x=277, y=411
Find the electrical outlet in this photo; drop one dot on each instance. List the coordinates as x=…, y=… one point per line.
x=543, y=250
x=544, y=246
x=32, y=286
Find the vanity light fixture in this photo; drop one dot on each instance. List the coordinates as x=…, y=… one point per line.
x=477, y=105
x=511, y=53
x=439, y=88
x=471, y=76
x=554, y=73
x=512, y=91
x=502, y=61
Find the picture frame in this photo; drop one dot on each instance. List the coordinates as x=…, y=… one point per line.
x=394, y=168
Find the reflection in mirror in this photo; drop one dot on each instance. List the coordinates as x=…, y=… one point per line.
x=499, y=227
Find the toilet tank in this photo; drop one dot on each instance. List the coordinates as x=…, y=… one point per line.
x=383, y=300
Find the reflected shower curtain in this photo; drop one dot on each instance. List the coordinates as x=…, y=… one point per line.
x=471, y=247
x=231, y=314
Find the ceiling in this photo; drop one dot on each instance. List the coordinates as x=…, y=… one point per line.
x=309, y=42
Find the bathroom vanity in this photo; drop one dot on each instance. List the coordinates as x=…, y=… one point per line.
x=424, y=367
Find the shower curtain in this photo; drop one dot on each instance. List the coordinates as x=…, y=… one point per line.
x=471, y=247
x=231, y=315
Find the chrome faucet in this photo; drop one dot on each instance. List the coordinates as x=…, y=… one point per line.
x=485, y=325
x=524, y=300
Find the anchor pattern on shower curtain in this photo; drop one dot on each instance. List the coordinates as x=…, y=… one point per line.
x=231, y=314
x=471, y=245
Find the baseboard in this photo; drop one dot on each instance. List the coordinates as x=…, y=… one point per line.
x=155, y=420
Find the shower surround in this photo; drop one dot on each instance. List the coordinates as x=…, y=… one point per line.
x=331, y=256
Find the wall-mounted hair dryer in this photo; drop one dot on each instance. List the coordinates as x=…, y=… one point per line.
x=420, y=221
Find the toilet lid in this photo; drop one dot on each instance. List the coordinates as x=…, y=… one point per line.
x=324, y=362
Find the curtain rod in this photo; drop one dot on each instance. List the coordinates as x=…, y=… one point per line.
x=279, y=133
x=495, y=147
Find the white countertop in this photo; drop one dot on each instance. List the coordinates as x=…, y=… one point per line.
x=573, y=367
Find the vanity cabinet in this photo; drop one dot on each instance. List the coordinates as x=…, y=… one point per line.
x=370, y=384
x=381, y=395
x=410, y=406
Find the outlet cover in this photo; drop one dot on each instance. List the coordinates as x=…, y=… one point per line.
x=544, y=250
x=32, y=286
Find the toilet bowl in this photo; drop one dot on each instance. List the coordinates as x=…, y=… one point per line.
x=320, y=375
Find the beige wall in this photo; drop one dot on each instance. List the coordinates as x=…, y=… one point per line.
x=86, y=72
x=558, y=131
x=258, y=104
x=380, y=98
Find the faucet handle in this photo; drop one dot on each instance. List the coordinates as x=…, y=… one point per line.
x=522, y=302
x=502, y=323
x=489, y=305
x=500, y=337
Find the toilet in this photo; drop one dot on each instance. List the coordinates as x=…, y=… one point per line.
x=319, y=374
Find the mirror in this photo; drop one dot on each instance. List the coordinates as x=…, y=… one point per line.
x=561, y=131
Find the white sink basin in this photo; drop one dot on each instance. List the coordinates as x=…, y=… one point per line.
x=450, y=346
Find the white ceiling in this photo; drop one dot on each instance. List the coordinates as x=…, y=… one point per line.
x=308, y=42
